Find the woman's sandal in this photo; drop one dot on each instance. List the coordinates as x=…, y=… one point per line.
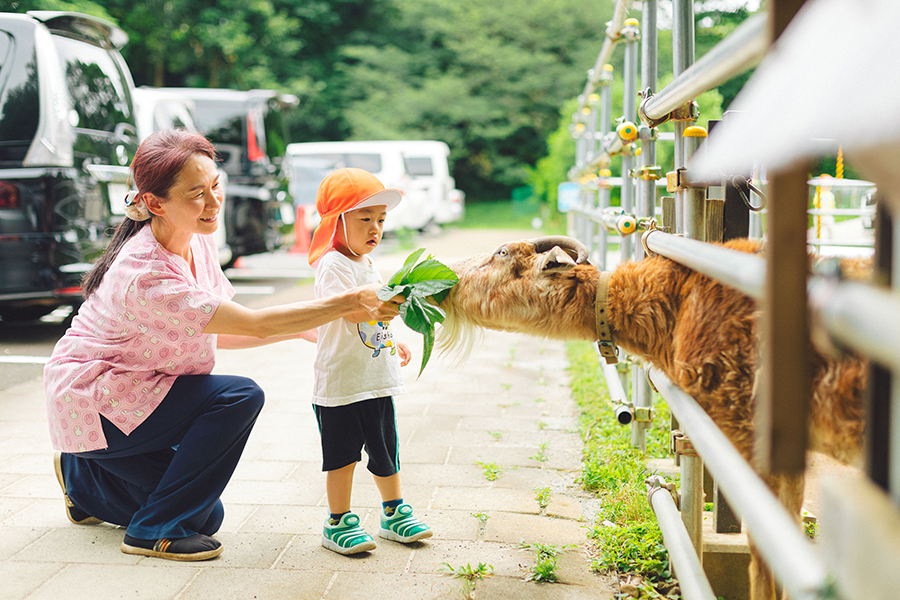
x=193, y=547
x=75, y=514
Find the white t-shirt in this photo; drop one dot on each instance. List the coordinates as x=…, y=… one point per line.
x=354, y=361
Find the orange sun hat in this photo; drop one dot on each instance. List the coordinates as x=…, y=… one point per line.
x=342, y=191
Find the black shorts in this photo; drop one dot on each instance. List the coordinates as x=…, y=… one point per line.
x=346, y=430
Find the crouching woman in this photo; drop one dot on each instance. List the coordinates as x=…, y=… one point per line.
x=147, y=437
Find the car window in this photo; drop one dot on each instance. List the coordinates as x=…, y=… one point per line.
x=369, y=162
x=222, y=122
x=19, y=101
x=419, y=166
x=99, y=93
x=167, y=115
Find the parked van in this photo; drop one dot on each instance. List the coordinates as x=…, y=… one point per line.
x=158, y=109
x=427, y=162
x=67, y=134
x=306, y=164
x=245, y=127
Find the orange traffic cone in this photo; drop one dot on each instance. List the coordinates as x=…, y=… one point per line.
x=302, y=235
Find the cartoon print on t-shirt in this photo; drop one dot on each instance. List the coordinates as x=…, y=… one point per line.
x=377, y=335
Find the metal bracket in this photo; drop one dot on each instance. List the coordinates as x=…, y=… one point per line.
x=686, y=112
x=656, y=483
x=646, y=172
x=643, y=414
x=683, y=445
x=673, y=181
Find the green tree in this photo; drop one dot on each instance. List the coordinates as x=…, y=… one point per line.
x=488, y=78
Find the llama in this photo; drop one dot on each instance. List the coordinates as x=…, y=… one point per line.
x=701, y=333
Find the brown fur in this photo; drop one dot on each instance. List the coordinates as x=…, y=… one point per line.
x=700, y=333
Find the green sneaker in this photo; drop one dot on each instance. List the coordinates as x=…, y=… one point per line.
x=402, y=526
x=347, y=537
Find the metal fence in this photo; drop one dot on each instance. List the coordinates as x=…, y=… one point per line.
x=856, y=316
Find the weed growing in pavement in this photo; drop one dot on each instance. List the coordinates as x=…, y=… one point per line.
x=546, y=559
x=491, y=470
x=496, y=435
x=625, y=531
x=541, y=455
x=482, y=517
x=469, y=575
x=543, y=495
x=541, y=425
x=810, y=526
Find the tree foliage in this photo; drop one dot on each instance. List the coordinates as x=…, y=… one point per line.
x=488, y=78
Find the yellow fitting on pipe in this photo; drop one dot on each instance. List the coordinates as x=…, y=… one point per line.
x=608, y=67
x=695, y=131
x=626, y=224
x=627, y=131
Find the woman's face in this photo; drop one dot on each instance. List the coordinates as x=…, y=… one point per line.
x=194, y=201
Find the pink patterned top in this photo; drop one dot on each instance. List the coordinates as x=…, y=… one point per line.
x=137, y=332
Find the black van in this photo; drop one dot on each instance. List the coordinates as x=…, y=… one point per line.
x=67, y=134
x=246, y=128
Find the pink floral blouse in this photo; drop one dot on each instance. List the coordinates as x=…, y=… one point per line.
x=137, y=332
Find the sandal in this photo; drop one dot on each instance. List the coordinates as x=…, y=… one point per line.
x=75, y=514
x=193, y=547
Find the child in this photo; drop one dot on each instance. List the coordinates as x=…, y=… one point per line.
x=357, y=368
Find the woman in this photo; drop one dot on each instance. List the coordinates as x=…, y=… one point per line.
x=148, y=439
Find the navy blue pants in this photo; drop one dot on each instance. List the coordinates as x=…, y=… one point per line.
x=141, y=482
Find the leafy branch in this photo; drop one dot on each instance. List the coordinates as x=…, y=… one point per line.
x=417, y=283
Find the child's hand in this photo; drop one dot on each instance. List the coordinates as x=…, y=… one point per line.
x=405, y=354
x=310, y=336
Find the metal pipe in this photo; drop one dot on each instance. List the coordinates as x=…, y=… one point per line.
x=613, y=36
x=630, y=33
x=686, y=564
x=861, y=316
x=741, y=50
x=645, y=205
x=775, y=533
x=740, y=270
x=682, y=58
x=613, y=383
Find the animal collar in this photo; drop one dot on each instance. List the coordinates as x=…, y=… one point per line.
x=605, y=342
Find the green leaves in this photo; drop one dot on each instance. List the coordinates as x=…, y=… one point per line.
x=418, y=282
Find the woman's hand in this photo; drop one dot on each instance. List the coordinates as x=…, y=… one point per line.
x=405, y=353
x=373, y=309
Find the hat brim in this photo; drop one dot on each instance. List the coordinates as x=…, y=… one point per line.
x=388, y=197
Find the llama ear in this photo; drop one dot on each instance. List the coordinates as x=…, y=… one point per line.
x=555, y=260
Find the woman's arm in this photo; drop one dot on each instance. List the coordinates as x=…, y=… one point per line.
x=237, y=342
x=291, y=319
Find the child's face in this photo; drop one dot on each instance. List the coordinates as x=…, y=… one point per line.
x=364, y=229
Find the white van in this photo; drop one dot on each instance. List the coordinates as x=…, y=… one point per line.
x=307, y=163
x=427, y=163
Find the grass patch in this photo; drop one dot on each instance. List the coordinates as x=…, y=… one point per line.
x=626, y=533
x=509, y=214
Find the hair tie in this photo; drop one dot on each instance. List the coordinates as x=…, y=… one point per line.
x=135, y=209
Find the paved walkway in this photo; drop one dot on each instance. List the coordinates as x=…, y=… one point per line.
x=506, y=405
